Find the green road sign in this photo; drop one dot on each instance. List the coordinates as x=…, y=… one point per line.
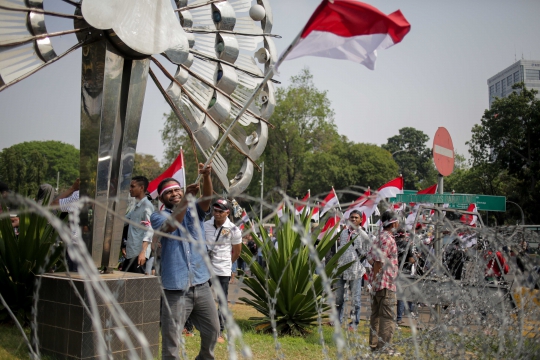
x=456, y=201
x=437, y=198
x=485, y=203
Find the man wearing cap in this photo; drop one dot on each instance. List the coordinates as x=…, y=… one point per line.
x=184, y=274
x=353, y=275
x=224, y=241
x=383, y=256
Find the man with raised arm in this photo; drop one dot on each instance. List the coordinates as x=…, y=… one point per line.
x=184, y=274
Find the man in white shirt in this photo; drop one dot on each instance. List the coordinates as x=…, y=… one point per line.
x=224, y=242
x=66, y=200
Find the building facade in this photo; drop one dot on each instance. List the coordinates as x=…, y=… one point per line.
x=527, y=71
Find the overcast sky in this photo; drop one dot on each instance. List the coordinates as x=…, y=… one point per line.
x=435, y=77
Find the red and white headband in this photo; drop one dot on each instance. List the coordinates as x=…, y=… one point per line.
x=170, y=187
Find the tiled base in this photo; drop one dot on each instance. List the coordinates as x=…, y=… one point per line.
x=66, y=330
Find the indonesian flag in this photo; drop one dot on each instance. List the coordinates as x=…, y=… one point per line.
x=429, y=191
x=390, y=189
x=175, y=171
x=414, y=206
x=329, y=202
x=315, y=213
x=331, y=224
x=349, y=30
x=365, y=204
x=280, y=210
x=470, y=219
x=364, y=219
x=300, y=207
x=245, y=217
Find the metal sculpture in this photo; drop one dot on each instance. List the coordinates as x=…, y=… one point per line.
x=214, y=51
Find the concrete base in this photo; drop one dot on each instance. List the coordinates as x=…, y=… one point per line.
x=65, y=328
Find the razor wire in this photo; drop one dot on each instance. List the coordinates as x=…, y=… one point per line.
x=462, y=325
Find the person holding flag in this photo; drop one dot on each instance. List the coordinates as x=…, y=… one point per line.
x=353, y=275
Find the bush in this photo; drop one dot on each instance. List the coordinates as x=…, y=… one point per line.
x=289, y=287
x=23, y=257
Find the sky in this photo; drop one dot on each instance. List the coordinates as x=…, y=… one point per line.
x=437, y=76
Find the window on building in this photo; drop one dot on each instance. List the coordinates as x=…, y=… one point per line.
x=498, y=87
x=492, y=90
x=509, y=81
x=516, y=76
x=503, y=87
x=531, y=74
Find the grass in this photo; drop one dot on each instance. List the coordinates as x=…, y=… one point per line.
x=12, y=345
x=263, y=346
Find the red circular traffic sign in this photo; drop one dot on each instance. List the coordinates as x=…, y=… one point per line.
x=443, y=152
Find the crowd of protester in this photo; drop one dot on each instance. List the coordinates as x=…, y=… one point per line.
x=190, y=284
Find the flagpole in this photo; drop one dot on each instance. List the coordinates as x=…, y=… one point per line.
x=267, y=77
x=184, y=166
x=338, y=204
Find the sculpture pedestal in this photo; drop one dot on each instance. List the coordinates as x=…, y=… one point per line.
x=65, y=328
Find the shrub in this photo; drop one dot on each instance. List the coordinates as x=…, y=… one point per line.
x=23, y=257
x=289, y=286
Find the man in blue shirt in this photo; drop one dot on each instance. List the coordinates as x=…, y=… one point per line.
x=184, y=274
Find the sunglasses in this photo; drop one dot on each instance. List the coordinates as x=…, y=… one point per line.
x=219, y=211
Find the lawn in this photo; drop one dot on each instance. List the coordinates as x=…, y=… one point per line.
x=263, y=346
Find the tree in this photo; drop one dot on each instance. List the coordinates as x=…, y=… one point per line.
x=506, y=143
x=304, y=150
x=304, y=125
x=146, y=165
x=347, y=163
x=26, y=165
x=413, y=157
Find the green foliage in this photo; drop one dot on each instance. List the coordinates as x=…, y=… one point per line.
x=304, y=150
x=505, y=146
x=413, y=158
x=347, y=163
x=27, y=165
x=146, y=165
x=288, y=287
x=304, y=125
x=22, y=257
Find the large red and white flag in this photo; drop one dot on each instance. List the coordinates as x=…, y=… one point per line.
x=331, y=224
x=470, y=219
x=390, y=189
x=300, y=207
x=349, y=30
x=329, y=202
x=175, y=171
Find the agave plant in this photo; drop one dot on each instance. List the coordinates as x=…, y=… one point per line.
x=288, y=286
x=22, y=257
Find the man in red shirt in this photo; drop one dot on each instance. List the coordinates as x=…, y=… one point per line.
x=383, y=256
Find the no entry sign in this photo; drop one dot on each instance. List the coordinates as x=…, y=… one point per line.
x=443, y=152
